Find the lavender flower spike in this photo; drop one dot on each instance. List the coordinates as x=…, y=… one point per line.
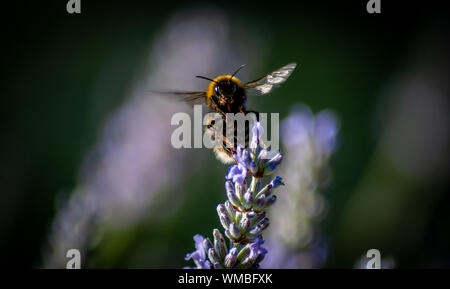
x=243, y=215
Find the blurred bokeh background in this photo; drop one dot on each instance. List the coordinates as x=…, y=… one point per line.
x=86, y=160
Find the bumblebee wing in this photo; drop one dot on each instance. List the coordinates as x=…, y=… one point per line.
x=191, y=97
x=267, y=83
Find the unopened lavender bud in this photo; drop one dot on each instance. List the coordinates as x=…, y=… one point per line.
x=230, y=259
x=244, y=224
x=264, y=223
x=230, y=210
x=225, y=221
x=248, y=261
x=229, y=187
x=260, y=203
x=234, y=231
x=221, y=209
x=234, y=199
x=257, y=230
x=270, y=201
x=207, y=244
x=266, y=191
x=273, y=163
x=243, y=253
x=247, y=201
x=238, y=190
x=257, y=131
x=258, y=218
x=251, y=215
x=276, y=182
x=213, y=256
x=219, y=244
x=238, y=217
x=254, y=233
x=228, y=234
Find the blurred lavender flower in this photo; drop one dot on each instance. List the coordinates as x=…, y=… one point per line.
x=243, y=215
x=118, y=181
x=295, y=240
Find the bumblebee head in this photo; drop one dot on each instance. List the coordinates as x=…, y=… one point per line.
x=223, y=88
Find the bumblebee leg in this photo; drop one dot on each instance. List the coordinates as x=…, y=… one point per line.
x=224, y=151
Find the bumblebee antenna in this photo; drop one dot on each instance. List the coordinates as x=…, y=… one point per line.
x=237, y=70
x=204, y=77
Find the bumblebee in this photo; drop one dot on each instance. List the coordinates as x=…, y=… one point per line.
x=227, y=94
